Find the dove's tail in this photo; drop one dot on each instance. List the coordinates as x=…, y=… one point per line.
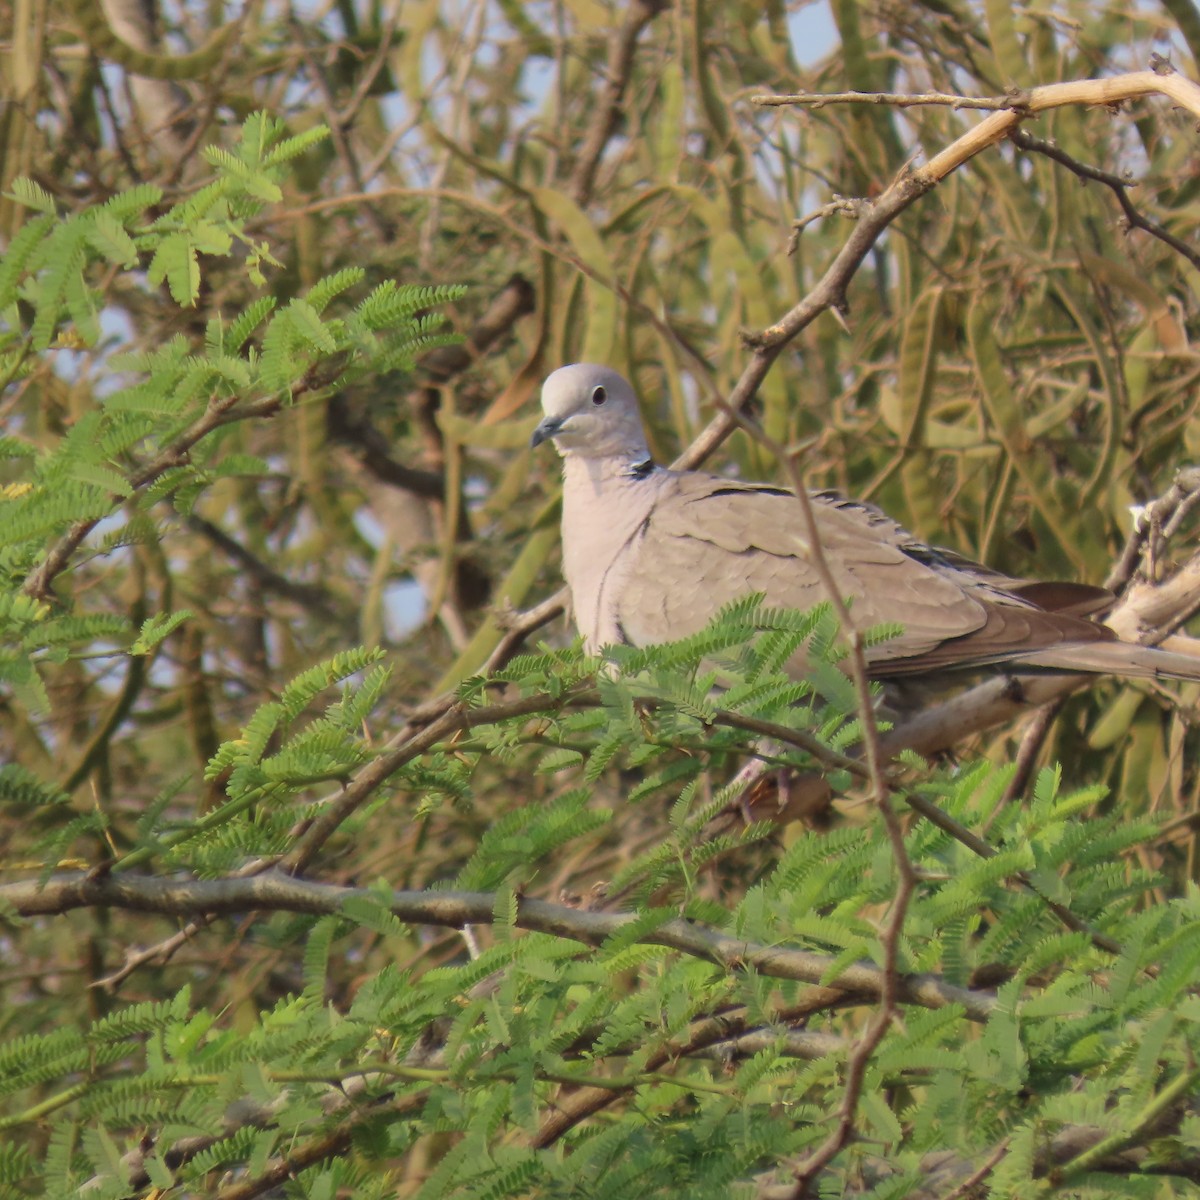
x=1117, y=658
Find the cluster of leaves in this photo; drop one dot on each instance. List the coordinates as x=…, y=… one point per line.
x=156, y=440
x=488, y=1053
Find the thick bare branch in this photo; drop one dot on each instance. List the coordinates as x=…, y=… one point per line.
x=276, y=892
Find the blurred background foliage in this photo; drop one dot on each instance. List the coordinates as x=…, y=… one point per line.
x=1014, y=368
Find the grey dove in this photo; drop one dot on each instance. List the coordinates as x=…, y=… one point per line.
x=651, y=554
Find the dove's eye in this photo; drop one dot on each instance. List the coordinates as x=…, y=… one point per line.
x=599, y=395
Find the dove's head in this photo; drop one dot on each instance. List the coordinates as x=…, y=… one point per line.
x=592, y=412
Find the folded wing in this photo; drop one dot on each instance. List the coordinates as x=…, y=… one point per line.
x=710, y=540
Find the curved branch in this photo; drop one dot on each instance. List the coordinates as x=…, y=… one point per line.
x=276, y=892
x=910, y=184
x=106, y=43
x=1119, y=187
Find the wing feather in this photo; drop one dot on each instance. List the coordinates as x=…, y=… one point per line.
x=709, y=541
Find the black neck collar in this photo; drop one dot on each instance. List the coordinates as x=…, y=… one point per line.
x=639, y=470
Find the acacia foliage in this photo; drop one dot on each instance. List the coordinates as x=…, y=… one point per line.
x=238, y=444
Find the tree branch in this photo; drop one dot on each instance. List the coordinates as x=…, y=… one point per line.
x=621, y=47
x=889, y=100
x=910, y=184
x=457, y=717
x=274, y=891
x=1120, y=188
x=220, y=411
x=307, y=595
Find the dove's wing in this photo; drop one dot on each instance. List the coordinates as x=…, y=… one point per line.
x=708, y=541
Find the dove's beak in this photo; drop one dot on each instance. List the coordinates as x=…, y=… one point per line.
x=546, y=430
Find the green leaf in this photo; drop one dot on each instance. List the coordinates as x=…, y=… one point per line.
x=209, y=238
x=175, y=261
x=18, y=253
x=32, y=195
x=101, y=476
x=108, y=236
x=156, y=628
x=306, y=321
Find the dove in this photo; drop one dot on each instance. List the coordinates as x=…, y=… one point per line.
x=651, y=554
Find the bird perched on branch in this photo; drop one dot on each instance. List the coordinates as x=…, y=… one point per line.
x=651, y=554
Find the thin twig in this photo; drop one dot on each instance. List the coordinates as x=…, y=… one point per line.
x=977, y=845
x=1032, y=741
x=839, y=205
x=381, y=226
x=889, y=100
x=221, y=411
x=307, y=595
x=799, y=738
x=880, y=797
x=1164, y=514
x=366, y=79
x=160, y=953
x=977, y=1176
x=461, y=59
x=720, y=1032
x=1119, y=186
x=456, y=718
